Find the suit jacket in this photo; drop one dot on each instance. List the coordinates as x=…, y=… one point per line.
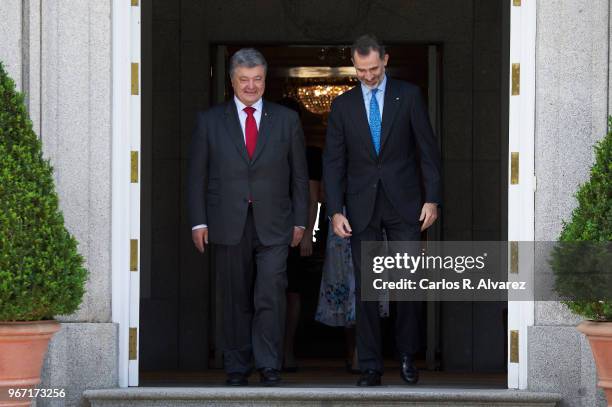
x=408, y=155
x=222, y=178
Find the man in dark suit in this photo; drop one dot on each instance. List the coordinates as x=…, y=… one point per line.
x=380, y=147
x=248, y=194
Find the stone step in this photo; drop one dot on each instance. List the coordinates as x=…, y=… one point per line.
x=318, y=396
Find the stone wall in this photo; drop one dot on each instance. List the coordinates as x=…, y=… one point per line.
x=572, y=104
x=59, y=53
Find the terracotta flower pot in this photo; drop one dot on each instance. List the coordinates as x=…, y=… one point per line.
x=23, y=346
x=600, y=338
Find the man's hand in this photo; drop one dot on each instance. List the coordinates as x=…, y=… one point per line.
x=298, y=234
x=306, y=244
x=341, y=226
x=200, y=238
x=429, y=214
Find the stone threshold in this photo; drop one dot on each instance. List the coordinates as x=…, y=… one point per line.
x=327, y=396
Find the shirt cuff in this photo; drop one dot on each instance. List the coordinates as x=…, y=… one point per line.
x=199, y=227
x=301, y=227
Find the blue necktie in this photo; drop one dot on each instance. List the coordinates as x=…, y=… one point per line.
x=375, y=121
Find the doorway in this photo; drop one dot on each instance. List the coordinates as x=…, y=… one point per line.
x=293, y=69
x=178, y=318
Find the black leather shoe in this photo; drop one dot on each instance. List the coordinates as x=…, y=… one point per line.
x=369, y=377
x=408, y=371
x=269, y=376
x=236, y=379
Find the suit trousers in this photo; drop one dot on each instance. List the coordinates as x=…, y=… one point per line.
x=408, y=313
x=253, y=301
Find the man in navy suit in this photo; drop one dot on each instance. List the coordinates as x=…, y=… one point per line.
x=380, y=149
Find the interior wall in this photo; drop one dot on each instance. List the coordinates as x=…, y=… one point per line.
x=174, y=306
x=470, y=34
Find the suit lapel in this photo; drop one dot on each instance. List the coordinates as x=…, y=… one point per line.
x=235, y=130
x=263, y=131
x=392, y=102
x=358, y=106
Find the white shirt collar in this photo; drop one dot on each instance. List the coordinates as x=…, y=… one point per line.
x=240, y=106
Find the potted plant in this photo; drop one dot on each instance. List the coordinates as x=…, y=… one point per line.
x=41, y=272
x=582, y=261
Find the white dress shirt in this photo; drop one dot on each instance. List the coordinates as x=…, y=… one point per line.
x=242, y=116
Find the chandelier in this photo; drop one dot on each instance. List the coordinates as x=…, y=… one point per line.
x=318, y=98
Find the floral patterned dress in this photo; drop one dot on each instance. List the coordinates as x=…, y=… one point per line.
x=336, y=305
x=337, y=293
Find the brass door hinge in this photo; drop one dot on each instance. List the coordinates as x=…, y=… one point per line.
x=516, y=3
x=516, y=79
x=514, y=168
x=514, y=346
x=514, y=257
x=133, y=343
x=133, y=254
x=135, y=3
x=134, y=167
x=134, y=78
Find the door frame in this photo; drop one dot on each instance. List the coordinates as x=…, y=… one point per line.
x=126, y=139
x=126, y=122
x=521, y=193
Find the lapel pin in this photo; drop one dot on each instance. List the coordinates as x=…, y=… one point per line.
x=397, y=98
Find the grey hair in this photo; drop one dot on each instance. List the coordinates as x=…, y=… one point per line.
x=247, y=57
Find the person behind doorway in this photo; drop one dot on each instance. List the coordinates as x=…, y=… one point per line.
x=248, y=194
x=296, y=266
x=379, y=148
x=336, y=305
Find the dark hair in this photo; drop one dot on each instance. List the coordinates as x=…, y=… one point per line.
x=292, y=104
x=366, y=44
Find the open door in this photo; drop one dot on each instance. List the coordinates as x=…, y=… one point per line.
x=126, y=184
x=135, y=182
x=521, y=179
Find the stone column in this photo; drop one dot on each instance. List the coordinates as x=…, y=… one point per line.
x=572, y=93
x=59, y=53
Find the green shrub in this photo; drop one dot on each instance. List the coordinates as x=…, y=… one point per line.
x=583, y=272
x=41, y=272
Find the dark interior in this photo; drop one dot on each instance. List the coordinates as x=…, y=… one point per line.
x=457, y=57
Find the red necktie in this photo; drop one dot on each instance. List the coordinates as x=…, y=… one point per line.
x=250, y=130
